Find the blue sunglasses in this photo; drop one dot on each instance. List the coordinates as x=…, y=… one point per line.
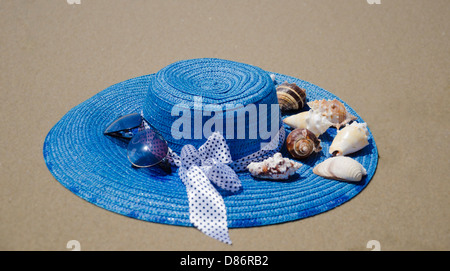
x=146, y=147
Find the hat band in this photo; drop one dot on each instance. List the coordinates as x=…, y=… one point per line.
x=241, y=164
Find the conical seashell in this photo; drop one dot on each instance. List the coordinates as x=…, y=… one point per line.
x=297, y=120
x=311, y=120
x=290, y=96
x=334, y=110
x=340, y=168
x=276, y=168
x=301, y=143
x=350, y=139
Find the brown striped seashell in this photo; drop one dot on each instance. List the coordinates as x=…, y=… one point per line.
x=291, y=97
x=334, y=110
x=301, y=143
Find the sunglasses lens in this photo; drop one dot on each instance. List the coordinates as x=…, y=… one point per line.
x=125, y=127
x=146, y=149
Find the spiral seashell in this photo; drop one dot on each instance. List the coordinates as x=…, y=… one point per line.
x=340, y=168
x=350, y=139
x=275, y=168
x=291, y=96
x=334, y=110
x=301, y=143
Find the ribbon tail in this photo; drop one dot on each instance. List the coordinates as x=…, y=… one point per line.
x=206, y=206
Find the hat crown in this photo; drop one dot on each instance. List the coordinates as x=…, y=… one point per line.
x=190, y=99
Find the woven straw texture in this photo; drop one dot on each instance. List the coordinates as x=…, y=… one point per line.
x=95, y=167
x=221, y=83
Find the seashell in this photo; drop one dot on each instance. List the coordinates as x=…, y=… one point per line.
x=301, y=143
x=311, y=120
x=275, y=168
x=317, y=123
x=334, y=110
x=290, y=96
x=350, y=139
x=297, y=120
x=340, y=168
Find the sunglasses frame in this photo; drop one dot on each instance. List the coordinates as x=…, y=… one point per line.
x=117, y=133
x=163, y=163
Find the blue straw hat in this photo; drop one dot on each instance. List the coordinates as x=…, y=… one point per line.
x=204, y=86
x=95, y=167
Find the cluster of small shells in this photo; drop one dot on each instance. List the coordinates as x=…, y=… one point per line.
x=276, y=168
x=304, y=140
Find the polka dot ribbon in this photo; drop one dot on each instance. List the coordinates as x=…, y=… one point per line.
x=199, y=170
x=212, y=165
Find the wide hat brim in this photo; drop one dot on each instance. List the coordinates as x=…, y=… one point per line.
x=95, y=168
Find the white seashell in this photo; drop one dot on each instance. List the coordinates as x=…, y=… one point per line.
x=276, y=168
x=350, y=139
x=311, y=120
x=297, y=120
x=317, y=123
x=340, y=168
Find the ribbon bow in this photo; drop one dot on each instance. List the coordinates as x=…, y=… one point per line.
x=199, y=170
